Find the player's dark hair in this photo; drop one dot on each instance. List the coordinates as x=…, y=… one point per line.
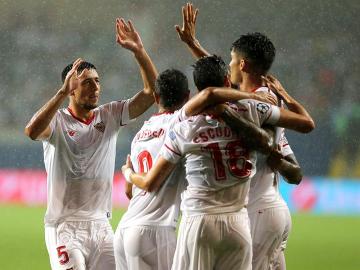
x=258, y=49
x=209, y=71
x=82, y=66
x=172, y=87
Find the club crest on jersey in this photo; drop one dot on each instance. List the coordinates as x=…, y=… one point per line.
x=71, y=133
x=262, y=108
x=100, y=126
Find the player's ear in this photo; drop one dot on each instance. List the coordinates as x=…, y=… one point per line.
x=243, y=65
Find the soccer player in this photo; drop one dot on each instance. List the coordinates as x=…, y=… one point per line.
x=79, y=153
x=214, y=231
x=252, y=56
x=145, y=237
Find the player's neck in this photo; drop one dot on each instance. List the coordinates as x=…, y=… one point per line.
x=250, y=83
x=80, y=113
x=165, y=110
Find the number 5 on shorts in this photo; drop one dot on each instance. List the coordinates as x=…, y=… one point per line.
x=62, y=255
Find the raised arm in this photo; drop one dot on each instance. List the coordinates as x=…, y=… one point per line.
x=38, y=127
x=213, y=95
x=297, y=118
x=152, y=180
x=187, y=31
x=128, y=38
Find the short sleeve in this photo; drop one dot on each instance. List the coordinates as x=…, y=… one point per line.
x=179, y=116
x=267, y=113
x=120, y=111
x=170, y=149
x=284, y=146
x=52, y=126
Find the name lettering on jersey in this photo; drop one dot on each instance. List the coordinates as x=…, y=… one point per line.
x=71, y=133
x=149, y=134
x=238, y=107
x=100, y=126
x=213, y=133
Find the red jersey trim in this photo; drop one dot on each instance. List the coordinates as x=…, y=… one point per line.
x=254, y=90
x=86, y=122
x=172, y=150
x=160, y=113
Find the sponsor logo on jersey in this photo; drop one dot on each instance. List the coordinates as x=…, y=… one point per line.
x=262, y=108
x=100, y=126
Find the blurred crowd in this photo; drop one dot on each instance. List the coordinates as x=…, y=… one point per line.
x=317, y=60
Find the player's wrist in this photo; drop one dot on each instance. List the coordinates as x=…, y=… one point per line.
x=139, y=51
x=127, y=175
x=192, y=43
x=61, y=93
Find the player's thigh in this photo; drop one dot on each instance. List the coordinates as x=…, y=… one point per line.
x=234, y=250
x=63, y=253
x=213, y=241
x=192, y=251
x=140, y=247
x=148, y=247
x=102, y=255
x=166, y=244
x=278, y=260
x=267, y=229
x=119, y=250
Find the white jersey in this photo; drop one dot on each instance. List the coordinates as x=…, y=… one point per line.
x=218, y=166
x=159, y=208
x=264, y=188
x=80, y=159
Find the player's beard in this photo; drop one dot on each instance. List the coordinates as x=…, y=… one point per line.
x=88, y=106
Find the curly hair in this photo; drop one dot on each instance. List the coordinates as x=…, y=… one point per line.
x=258, y=49
x=209, y=71
x=172, y=87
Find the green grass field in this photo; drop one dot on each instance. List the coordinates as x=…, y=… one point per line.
x=316, y=242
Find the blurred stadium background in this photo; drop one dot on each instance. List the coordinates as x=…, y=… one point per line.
x=317, y=60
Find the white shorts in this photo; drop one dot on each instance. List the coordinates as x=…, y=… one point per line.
x=81, y=245
x=270, y=229
x=220, y=241
x=144, y=247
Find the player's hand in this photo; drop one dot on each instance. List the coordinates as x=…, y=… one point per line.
x=128, y=190
x=274, y=159
x=275, y=85
x=127, y=36
x=265, y=97
x=187, y=31
x=71, y=81
x=127, y=165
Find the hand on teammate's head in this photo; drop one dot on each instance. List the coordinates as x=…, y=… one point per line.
x=266, y=97
x=274, y=84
